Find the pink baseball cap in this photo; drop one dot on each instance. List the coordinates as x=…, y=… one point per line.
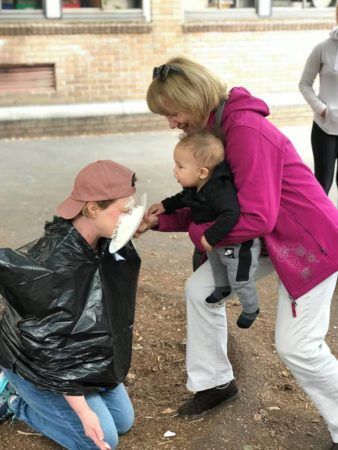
x=101, y=180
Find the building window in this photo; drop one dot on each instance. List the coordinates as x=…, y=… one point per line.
x=103, y=4
x=21, y=4
x=36, y=9
x=27, y=78
x=223, y=5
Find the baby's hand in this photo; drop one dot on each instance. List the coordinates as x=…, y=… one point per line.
x=156, y=208
x=147, y=223
x=205, y=244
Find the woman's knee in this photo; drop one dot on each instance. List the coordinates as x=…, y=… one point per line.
x=283, y=350
x=293, y=352
x=189, y=288
x=193, y=290
x=112, y=439
x=126, y=422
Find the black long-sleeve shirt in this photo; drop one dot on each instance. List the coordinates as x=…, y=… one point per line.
x=215, y=201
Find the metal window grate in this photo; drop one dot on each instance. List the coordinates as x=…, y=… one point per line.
x=27, y=78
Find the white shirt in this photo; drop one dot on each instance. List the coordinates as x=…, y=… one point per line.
x=323, y=60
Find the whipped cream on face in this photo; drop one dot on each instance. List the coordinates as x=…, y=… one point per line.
x=127, y=224
x=122, y=221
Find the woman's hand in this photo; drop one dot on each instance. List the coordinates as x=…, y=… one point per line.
x=89, y=420
x=156, y=208
x=93, y=430
x=205, y=244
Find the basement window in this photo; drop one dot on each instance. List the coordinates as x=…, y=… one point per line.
x=27, y=78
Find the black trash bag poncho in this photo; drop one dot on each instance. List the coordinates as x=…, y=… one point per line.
x=69, y=315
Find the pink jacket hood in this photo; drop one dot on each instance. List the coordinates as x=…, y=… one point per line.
x=279, y=198
x=241, y=100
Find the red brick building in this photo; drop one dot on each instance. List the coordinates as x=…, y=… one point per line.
x=85, y=68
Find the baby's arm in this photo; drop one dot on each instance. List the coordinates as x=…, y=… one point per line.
x=225, y=204
x=168, y=205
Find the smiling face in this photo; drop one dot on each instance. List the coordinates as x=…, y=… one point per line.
x=188, y=172
x=185, y=122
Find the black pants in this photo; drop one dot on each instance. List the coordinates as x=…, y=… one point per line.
x=325, y=155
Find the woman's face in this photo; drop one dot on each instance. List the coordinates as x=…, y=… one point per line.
x=185, y=122
x=106, y=219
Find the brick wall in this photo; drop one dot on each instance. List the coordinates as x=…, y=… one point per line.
x=105, y=62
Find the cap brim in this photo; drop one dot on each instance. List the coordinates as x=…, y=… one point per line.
x=70, y=208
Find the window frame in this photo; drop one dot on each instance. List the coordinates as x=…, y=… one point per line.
x=80, y=14
x=278, y=12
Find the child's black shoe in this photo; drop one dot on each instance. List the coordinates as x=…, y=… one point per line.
x=245, y=320
x=219, y=294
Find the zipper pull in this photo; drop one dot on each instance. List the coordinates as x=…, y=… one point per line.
x=293, y=306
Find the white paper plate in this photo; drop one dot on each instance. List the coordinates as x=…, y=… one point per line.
x=128, y=226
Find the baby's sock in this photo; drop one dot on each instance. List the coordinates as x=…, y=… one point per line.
x=219, y=293
x=245, y=320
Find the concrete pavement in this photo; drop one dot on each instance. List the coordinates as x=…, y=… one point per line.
x=37, y=174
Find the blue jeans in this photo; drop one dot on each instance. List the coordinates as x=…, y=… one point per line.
x=50, y=414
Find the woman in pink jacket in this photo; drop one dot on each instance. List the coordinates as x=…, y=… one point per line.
x=280, y=200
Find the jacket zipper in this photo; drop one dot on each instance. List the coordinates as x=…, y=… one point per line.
x=321, y=249
x=293, y=306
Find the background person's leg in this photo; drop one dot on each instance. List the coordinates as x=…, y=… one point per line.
x=300, y=342
x=50, y=414
x=324, y=156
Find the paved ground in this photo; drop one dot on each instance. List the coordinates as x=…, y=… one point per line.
x=37, y=174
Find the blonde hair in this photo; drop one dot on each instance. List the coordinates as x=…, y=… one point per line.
x=192, y=89
x=206, y=148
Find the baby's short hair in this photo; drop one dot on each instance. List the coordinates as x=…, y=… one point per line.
x=207, y=148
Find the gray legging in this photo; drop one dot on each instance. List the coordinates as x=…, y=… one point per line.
x=236, y=265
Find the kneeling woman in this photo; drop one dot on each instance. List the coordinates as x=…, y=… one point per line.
x=66, y=333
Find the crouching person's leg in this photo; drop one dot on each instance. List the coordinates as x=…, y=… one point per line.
x=50, y=414
x=120, y=407
x=300, y=342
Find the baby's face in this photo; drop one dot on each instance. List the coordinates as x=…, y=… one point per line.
x=187, y=170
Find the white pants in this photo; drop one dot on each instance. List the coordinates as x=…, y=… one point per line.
x=299, y=341
x=301, y=345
